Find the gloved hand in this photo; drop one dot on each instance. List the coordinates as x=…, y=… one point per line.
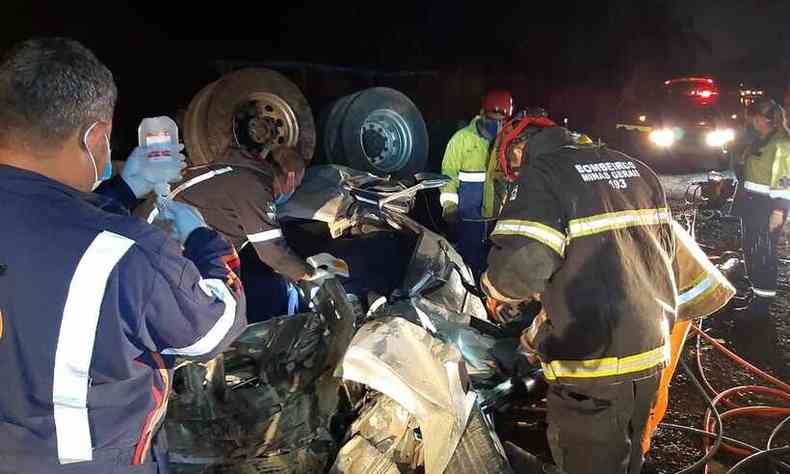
x=776, y=221
x=450, y=214
x=527, y=341
x=184, y=218
x=148, y=167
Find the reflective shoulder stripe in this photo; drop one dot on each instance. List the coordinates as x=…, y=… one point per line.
x=472, y=176
x=265, y=236
x=214, y=336
x=448, y=197
x=757, y=188
x=607, y=366
x=596, y=224
x=544, y=234
x=188, y=184
x=74, y=348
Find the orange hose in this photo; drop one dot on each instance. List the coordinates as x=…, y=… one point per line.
x=743, y=363
x=783, y=392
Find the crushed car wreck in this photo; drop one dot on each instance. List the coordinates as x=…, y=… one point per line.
x=296, y=394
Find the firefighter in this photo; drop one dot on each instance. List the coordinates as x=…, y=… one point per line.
x=238, y=194
x=470, y=161
x=586, y=231
x=94, y=304
x=762, y=203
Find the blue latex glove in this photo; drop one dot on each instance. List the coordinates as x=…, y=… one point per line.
x=150, y=168
x=183, y=218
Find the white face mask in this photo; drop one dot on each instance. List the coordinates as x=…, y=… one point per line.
x=107, y=170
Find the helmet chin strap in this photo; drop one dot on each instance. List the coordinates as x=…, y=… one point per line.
x=509, y=132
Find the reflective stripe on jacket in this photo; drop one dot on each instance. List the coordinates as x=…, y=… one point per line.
x=767, y=170
x=236, y=198
x=469, y=155
x=94, y=306
x=588, y=229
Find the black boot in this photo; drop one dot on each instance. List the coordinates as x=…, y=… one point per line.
x=755, y=334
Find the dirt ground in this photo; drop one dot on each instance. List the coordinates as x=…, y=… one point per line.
x=674, y=450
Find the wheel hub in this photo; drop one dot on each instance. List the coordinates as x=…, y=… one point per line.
x=264, y=121
x=386, y=140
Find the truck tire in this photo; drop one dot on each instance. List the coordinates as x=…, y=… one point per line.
x=382, y=132
x=195, y=122
x=270, y=107
x=329, y=126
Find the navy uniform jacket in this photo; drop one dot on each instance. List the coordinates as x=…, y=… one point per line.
x=94, y=307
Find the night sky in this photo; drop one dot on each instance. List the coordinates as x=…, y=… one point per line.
x=162, y=53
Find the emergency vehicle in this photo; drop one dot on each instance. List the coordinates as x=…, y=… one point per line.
x=685, y=121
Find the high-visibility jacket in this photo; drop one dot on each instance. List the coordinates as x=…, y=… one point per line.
x=94, y=307
x=470, y=162
x=767, y=169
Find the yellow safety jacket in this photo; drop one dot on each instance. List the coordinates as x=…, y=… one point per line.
x=469, y=157
x=767, y=171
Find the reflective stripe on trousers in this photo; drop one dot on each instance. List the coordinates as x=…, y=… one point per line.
x=760, y=249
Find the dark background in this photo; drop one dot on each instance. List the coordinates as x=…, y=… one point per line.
x=578, y=59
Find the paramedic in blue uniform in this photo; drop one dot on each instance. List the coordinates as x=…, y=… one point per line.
x=94, y=304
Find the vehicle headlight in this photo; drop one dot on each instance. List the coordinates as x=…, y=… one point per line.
x=664, y=137
x=718, y=138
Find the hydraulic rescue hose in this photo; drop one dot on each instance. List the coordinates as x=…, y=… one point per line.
x=782, y=393
x=703, y=461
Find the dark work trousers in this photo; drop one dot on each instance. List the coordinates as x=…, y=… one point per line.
x=758, y=341
x=598, y=429
x=472, y=230
x=105, y=461
x=268, y=293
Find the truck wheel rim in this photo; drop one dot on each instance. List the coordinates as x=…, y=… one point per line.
x=267, y=120
x=386, y=140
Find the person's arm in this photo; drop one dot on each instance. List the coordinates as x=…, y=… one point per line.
x=529, y=239
x=194, y=307
x=141, y=175
x=258, y=218
x=780, y=182
x=452, y=163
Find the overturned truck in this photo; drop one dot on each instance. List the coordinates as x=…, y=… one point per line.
x=390, y=368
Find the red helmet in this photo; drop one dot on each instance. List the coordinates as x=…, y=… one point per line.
x=498, y=102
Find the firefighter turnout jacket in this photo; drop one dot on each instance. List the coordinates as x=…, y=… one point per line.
x=236, y=197
x=587, y=228
x=94, y=306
